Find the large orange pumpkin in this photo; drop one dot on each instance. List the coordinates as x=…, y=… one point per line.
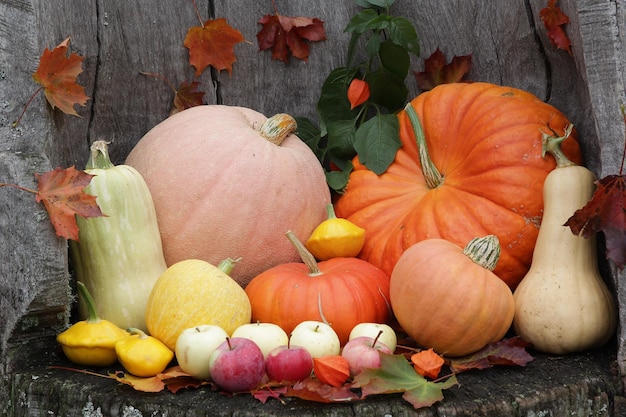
x=227, y=182
x=340, y=291
x=484, y=175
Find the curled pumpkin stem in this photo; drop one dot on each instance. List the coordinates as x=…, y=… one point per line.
x=432, y=176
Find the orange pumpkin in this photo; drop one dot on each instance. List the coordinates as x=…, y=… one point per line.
x=227, y=182
x=446, y=297
x=480, y=172
x=340, y=291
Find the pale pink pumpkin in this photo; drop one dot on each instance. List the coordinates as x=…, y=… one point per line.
x=221, y=189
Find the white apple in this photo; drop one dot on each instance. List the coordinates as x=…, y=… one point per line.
x=266, y=335
x=388, y=335
x=194, y=347
x=317, y=337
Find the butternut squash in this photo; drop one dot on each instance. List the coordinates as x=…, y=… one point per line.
x=562, y=305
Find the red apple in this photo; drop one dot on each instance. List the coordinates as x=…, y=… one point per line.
x=363, y=352
x=288, y=363
x=237, y=365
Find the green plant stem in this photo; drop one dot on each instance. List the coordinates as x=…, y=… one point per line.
x=432, y=176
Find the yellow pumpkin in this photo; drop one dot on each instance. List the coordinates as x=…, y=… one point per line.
x=192, y=293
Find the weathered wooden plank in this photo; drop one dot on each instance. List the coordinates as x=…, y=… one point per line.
x=582, y=385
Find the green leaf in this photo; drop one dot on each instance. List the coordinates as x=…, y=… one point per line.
x=333, y=103
x=402, y=33
x=311, y=135
x=341, y=141
x=394, y=59
x=397, y=375
x=367, y=19
x=386, y=89
x=337, y=180
x=376, y=141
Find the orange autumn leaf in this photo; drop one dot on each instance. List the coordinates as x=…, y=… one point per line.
x=212, y=44
x=553, y=19
x=287, y=35
x=61, y=192
x=358, y=92
x=57, y=74
x=333, y=370
x=427, y=363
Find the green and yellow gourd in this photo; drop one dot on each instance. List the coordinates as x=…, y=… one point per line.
x=118, y=257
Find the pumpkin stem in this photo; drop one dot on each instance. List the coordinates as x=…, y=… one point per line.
x=278, y=127
x=227, y=265
x=432, y=176
x=92, y=313
x=306, y=256
x=552, y=144
x=485, y=251
x=99, y=156
x=330, y=211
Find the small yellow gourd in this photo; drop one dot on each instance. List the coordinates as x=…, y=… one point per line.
x=335, y=238
x=142, y=355
x=562, y=305
x=90, y=342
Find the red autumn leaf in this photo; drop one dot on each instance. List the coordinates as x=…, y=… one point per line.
x=333, y=370
x=289, y=35
x=358, y=92
x=510, y=352
x=212, y=44
x=553, y=19
x=606, y=212
x=265, y=393
x=437, y=71
x=62, y=194
x=57, y=75
x=427, y=363
x=187, y=96
x=314, y=390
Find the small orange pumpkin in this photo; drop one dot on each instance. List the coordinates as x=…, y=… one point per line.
x=342, y=292
x=447, y=298
x=470, y=164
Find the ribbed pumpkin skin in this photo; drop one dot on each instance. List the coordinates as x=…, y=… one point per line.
x=349, y=291
x=192, y=293
x=221, y=190
x=486, y=142
x=443, y=300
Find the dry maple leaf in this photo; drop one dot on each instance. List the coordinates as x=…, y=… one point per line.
x=61, y=192
x=212, y=44
x=553, y=19
x=57, y=74
x=437, y=71
x=287, y=35
x=605, y=212
x=187, y=96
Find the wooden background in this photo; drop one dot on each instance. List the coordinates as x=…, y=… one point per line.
x=119, y=39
